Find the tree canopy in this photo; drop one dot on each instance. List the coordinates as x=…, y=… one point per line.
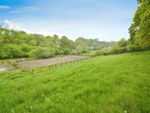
x=16, y=44
x=140, y=28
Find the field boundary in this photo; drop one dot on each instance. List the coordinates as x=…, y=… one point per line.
x=25, y=66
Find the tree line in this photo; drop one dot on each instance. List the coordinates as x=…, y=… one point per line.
x=17, y=44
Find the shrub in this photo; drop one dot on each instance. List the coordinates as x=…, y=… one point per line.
x=104, y=52
x=42, y=53
x=66, y=51
x=11, y=51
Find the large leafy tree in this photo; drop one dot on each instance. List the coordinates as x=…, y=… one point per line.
x=140, y=28
x=66, y=43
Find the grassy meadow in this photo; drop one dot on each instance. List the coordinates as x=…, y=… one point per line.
x=104, y=84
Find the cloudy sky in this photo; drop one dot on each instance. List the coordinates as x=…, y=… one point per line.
x=102, y=19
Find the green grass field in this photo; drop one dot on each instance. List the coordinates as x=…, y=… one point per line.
x=105, y=84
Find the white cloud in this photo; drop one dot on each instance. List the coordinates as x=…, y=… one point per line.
x=12, y=25
x=4, y=7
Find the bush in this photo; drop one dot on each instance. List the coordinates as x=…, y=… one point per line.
x=66, y=51
x=26, y=50
x=11, y=51
x=42, y=53
x=104, y=52
x=57, y=51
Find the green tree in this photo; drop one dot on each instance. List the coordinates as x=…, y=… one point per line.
x=120, y=47
x=139, y=30
x=66, y=43
x=42, y=52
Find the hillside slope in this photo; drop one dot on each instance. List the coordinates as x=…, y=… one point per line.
x=105, y=84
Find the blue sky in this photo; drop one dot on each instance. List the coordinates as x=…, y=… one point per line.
x=103, y=19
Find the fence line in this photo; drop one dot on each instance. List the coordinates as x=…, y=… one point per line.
x=52, y=66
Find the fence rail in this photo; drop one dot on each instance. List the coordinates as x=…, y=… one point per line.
x=51, y=65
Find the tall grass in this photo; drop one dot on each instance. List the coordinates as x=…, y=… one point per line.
x=105, y=84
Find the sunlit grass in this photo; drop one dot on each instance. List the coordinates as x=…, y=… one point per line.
x=105, y=84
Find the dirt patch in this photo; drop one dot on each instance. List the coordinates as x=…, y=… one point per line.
x=50, y=61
